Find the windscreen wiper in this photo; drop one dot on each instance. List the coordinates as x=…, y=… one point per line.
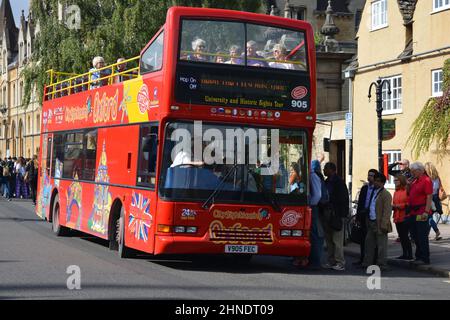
x=267, y=195
x=216, y=191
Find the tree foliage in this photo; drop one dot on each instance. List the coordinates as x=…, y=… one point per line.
x=109, y=28
x=432, y=127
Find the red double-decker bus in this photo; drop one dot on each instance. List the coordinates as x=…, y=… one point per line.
x=108, y=166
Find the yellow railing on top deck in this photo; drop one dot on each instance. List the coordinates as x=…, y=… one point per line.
x=74, y=83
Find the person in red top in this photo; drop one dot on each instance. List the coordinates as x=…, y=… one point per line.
x=420, y=197
x=399, y=204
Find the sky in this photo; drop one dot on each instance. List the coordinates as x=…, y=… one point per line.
x=17, y=7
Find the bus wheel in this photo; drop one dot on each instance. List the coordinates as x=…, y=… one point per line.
x=58, y=229
x=124, y=252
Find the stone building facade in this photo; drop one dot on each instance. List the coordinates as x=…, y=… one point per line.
x=19, y=124
x=405, y=42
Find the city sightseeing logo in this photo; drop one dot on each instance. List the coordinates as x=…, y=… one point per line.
x=290, y=218
x=144, y=101
x=299, y=92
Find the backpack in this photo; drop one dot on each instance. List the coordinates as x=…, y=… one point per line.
x=6, y=172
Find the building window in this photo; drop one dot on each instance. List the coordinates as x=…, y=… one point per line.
x=436, y=82
x=299, y=13
x=393, y=103
x=393, y=156
x=439, y=5
x=38, y=123
x=379, y=14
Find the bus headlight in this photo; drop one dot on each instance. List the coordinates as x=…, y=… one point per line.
x=179, y=229
x=191, y=230
x=297, y=233
x=285, y=233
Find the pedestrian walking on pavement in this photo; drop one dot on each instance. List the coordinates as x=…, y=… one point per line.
x=399, y=205
x=6, y=183
x=317, y=233
x=420, y=198
x=378, y=224
x=32, y=177
x=362, y=212
x=438, y=193
x=12, y=179
x=333, y=218
x=21, y=184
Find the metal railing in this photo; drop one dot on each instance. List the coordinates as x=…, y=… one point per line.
x=63, y=84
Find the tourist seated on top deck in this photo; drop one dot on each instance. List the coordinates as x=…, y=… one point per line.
x=199, y=47
x=220, y=57
x=279, y=56
x=253, y=58
x=121, y=71
x=235, y=55
x=98, y=63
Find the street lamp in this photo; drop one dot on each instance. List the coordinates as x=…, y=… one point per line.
x=379, y=93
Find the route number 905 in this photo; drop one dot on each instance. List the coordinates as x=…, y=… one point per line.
x=299, y=104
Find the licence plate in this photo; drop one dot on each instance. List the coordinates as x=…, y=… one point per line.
x=229, y=248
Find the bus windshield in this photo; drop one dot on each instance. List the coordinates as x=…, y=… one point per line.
x=188, y=177
x=245, y=44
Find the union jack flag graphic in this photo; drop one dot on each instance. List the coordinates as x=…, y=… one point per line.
x=138, y=226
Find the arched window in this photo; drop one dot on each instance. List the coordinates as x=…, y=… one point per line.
x=14, y=95
x=38, y=123
x=20, y=97
x=29, y=129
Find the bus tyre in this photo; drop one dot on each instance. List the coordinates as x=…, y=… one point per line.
x=57, y=228
x=124, y=252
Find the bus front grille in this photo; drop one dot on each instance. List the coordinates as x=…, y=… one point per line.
x=219, y=233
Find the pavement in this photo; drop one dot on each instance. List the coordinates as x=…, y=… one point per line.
x=439, y=253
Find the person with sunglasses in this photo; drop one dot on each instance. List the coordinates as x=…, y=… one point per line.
x=362, y=212
x=404, y=169
x=279, y=57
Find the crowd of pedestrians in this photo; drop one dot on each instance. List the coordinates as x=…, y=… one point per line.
x=18, y=178
x=418, y=195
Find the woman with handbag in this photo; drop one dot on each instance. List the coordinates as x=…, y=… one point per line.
x=399, y=205
x=439, y=194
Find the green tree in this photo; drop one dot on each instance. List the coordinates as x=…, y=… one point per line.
x=432, y=126
x=109, y=28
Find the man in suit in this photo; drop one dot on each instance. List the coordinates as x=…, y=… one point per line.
x=365, y=195
x=378, y=224
x=339, y=201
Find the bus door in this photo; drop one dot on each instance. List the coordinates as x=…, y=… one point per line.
x=144, y=199
x=44, y=175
